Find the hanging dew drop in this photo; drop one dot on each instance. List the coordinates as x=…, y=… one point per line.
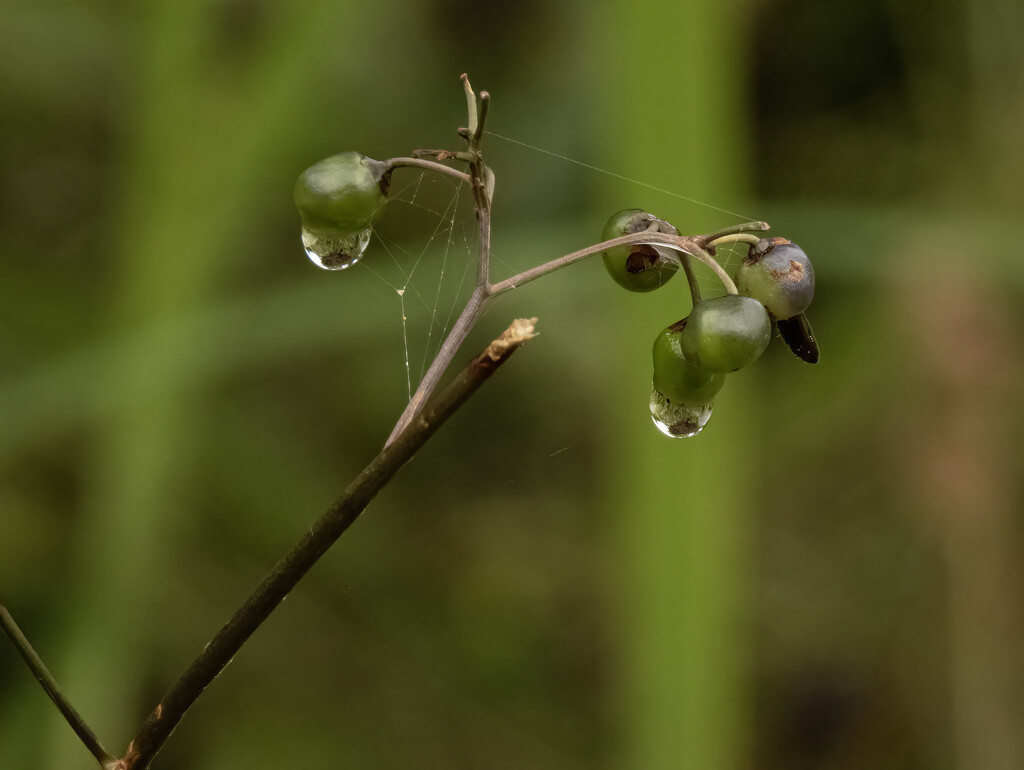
x=678, y=420
x=334, y=250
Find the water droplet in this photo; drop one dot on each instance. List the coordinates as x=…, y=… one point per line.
x=678, y=420
x=333, y=250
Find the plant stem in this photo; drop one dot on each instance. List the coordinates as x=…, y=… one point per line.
x=465, y=157
x=472, y=124
x=707, y=259
x=485, y=102
x=691, y=279
x=314, y=544
x=685, y=243
x=49, y=684
x=746, y=227
x=753, y=240
x=428, y=165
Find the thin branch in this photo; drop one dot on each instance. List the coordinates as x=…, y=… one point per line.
x=49, y=684
x=707, y=259
x=472, y=124
x=685, y=243
x=429, y=165
x=485, y=102
x=314, y=544
x=691, y=279
x=746, y=227
x=721, y=240
x=444, y=155
x=684, y=259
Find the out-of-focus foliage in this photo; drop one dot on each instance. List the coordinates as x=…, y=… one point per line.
x=828, y=577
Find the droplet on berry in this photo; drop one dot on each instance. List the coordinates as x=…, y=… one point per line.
x=678, y=420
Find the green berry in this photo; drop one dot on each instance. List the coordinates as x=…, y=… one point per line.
x=777, y=273
x=342, y=194
x=726, y=333
x=676, y=378
x=639, y=267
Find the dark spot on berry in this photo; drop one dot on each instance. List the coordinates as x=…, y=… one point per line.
x=642, y=257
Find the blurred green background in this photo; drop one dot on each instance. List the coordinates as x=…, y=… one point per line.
x=828, y=577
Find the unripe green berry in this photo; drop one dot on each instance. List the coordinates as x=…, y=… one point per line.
x=777, y=273
x=726, y=333
x=639, y=267
x=680, y=381
x=343, y=193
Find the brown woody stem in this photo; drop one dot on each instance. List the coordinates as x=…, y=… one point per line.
x=314, y=544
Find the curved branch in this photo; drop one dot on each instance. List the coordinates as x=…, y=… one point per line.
x=722, y=240
x=429, y=165
x=688, y=244
x=746, y=227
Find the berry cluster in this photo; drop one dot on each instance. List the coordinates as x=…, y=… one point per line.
x=774, y=283
x=340, y=197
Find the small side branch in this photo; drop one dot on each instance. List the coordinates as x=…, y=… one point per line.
x=428, y=165
x=472, y=123
x=746, y=227
x=688, y=244
x=49, y=684
x=748, y=238
x=314, y=544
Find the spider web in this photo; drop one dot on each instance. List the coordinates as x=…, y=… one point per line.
x=426, y=246
x=427, y=261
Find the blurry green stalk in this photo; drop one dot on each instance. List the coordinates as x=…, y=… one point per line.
x=670, y=114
